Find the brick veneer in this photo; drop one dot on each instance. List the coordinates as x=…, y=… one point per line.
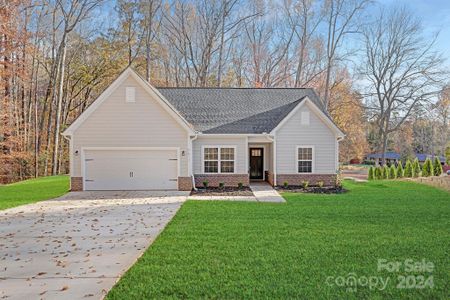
x=184, y=183
x=227, y=179
x=296, y=179
x=76, y=184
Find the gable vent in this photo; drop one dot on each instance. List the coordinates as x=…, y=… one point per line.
x=130, y=94
x=305, y=118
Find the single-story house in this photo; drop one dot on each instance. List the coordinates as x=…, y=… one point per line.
x=394, y=157
x=138, y=137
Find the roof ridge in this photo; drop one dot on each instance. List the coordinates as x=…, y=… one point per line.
x=233, y=88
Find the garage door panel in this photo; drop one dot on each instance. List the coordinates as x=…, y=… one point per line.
x=130, y=169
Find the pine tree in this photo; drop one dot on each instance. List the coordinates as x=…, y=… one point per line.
x=400, y=171
x=409, y=171
x=427, y=169
x=437, y=167
x=371, y=174
x=392, y=172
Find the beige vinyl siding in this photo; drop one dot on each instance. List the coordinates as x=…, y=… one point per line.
x=317, y=134
x=143, y=123
x=240, y=155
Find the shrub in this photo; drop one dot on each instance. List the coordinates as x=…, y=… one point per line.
x=409, y=170
x=305, y=184
x=320, y=184
x=437, y=167
x=392, y=172
x=400, y=171
x=427, y=169
x=385, y=172
x=378, y=173
x=285, y=184
x=205, y=183
x=221, y=185
x=416, y=168
x=240, y=185
x=371, y=173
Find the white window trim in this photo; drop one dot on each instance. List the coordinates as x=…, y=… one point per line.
x=313, y=161
x=219, y=160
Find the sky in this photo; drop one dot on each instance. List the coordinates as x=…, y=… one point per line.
x=435, y=15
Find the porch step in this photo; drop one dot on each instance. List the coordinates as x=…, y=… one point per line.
x=265, y=192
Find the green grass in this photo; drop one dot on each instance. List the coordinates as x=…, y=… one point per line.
x=229, y=250
x=33, y=190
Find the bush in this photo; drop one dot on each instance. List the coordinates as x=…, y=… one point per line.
x=416, y=168
x=240, y=185
x=427, y=169
x=285, y=184
x=320, y=184
x=392, y=172
x=437, y=167
x=305, y=184
x=205, y=183
x=369, y=162
x=409, y=171
x=221, y=185
x=371, y=174
x=378, y=173
x=385, y=172
x=400, y=171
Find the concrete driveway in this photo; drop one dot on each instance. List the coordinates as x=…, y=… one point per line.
x=78, y=246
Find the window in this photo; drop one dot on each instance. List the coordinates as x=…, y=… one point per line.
x=130, y=94
x=218, y=159
x=305, y=118
x=305, y=159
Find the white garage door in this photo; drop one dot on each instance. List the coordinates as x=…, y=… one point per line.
x=130, y=170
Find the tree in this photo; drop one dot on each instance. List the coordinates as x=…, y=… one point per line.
x=416, y=168
x=371, y=173
x=409, y=170
x=400, y=171
x=392, y=172
x=427, y=168
x=385, y=172
x=437, y=166
x=402, y=69
x=341, y=20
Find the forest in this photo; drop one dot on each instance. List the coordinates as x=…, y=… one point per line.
x=375, y=67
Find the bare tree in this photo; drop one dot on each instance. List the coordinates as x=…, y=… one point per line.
x=402, y=69
x=342, y=17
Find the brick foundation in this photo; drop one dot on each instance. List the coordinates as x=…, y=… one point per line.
x=227, y=179
x=184, y=183
x=76, y=184
x=296, y=179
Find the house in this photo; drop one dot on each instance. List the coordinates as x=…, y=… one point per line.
x=138, y=137
x=394, y=157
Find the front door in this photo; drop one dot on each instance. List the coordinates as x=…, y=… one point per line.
x=256, y=163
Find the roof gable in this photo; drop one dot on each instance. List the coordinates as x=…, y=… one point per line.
x=116, y=84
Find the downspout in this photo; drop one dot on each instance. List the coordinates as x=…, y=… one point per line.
x=69, y=138
x=274, y=153
x=191, y=158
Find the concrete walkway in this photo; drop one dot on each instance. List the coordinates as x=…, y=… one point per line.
x=265, y=192
x=78, y=246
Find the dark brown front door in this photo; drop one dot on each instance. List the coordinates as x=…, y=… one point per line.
x=256, y=163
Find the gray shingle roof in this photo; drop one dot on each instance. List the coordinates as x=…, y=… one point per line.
x=236, y=110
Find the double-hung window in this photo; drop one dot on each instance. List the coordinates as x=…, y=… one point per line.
x=218, y=159
x=305, y=159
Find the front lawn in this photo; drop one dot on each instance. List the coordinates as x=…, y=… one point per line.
x=33, y=190
x=303, y=248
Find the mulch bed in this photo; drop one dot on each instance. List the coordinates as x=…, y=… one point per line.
x=312, y=189
x=225, y=191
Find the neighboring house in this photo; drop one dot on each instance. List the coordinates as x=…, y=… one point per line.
x=394, y=157
x=137, y=137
